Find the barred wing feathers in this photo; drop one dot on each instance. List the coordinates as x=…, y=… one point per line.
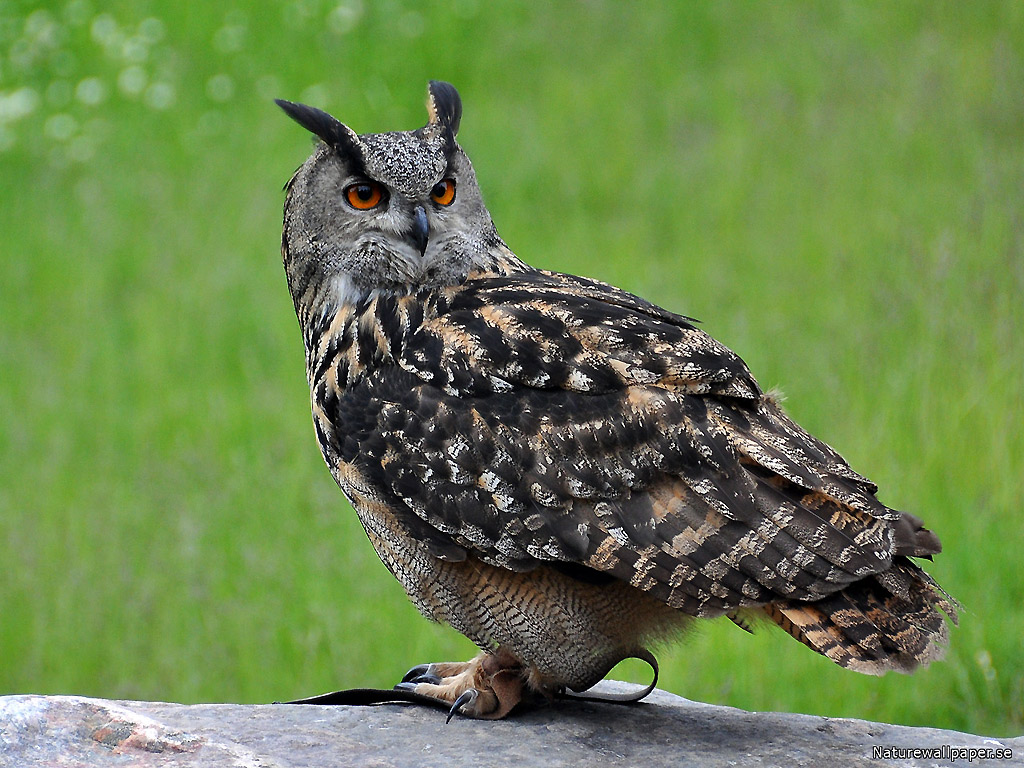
x=541, y=417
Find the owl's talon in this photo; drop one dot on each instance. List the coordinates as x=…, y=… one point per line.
x=466, y=698
x=421, y=673
x=487, y=687
x=429, y=679
x=416, y=671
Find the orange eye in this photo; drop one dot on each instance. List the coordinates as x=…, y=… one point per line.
x=443, y=192
x=364, y=195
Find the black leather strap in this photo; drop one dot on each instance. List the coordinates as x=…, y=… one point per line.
x=369, y=696
x=362, y=697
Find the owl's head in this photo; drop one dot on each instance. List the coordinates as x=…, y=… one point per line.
x=385, y=212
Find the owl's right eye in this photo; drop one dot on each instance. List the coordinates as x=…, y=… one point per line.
x=364, y=195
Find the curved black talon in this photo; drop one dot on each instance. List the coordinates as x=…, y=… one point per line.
x=466, y=697
x=416, y=671
x=421, y=674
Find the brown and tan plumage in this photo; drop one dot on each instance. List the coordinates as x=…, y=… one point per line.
x=560, y=470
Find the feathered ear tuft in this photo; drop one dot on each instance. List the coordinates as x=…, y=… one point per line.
x=331, y=130
x=444, y=106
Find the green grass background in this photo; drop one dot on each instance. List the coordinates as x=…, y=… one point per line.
x=835, y=189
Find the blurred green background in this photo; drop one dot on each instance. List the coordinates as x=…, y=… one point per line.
x=836, y=190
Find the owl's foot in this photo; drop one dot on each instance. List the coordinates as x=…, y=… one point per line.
x=486, y=687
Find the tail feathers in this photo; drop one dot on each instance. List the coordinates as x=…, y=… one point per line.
x=890, y=621
x=913, y=539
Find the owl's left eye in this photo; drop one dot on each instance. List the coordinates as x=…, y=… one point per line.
x=443, y=192
x=364, y=195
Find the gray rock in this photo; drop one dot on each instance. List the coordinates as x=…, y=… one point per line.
x=664, y=730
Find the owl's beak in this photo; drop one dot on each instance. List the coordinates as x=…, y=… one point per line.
x=420, y=228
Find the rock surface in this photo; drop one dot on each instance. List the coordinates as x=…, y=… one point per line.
x=664, y=730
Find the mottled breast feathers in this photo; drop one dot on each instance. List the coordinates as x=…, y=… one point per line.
x=538, y=417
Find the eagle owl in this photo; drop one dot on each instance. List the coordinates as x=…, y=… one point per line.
x=560, y=470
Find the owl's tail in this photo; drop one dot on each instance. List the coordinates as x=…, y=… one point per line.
x=889, y=621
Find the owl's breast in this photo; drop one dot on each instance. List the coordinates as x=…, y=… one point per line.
x=562, y=628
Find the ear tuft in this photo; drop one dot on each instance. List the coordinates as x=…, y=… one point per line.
x=331, y=130
x=444, y=105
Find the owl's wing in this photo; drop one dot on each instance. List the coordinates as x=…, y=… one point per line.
x=544, y=418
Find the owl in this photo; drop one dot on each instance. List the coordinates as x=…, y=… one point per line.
x=560, y=470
